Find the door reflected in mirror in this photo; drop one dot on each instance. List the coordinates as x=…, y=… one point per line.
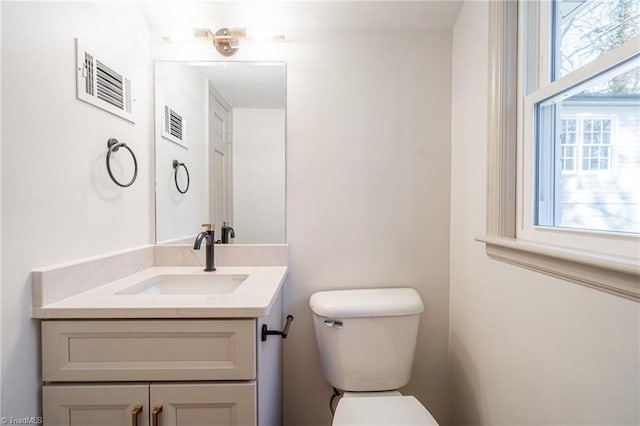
x=224, y=123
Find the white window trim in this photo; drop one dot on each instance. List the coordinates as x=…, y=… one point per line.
x=618, y=274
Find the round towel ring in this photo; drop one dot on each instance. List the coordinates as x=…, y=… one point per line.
x=114, y=146
x=176, y=166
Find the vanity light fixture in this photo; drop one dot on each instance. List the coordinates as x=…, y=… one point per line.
x=227, y=40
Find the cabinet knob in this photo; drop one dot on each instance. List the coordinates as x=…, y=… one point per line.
x=157, y=409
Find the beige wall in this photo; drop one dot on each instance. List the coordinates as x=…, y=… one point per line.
x=525, y=348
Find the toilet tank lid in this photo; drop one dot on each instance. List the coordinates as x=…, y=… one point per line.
x=379, y=302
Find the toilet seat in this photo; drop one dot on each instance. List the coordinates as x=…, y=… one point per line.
x=382, y=411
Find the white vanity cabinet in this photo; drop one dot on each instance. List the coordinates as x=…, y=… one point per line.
x=161, y=372
x=190, y=351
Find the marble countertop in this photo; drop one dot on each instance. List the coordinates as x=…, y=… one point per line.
x=252, y=299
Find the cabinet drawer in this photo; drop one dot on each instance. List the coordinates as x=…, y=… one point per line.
x=130, y=350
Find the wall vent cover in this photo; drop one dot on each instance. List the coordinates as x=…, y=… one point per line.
x=174, y=126
x=101, y=85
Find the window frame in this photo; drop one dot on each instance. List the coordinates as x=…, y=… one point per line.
x=559, y=252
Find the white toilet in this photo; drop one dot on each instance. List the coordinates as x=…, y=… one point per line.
x=366, y=339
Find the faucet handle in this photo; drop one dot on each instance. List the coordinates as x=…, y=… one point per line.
x=207, y=226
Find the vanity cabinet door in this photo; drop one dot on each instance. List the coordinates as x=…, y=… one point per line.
x=198, y=404
x=96, y=405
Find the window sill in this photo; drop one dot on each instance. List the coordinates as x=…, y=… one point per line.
x=614, y=275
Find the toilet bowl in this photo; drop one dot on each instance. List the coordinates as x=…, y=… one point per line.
x=371, y=410
x=366, y=339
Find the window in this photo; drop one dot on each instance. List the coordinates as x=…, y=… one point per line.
x=585, y=175
x=574, y=92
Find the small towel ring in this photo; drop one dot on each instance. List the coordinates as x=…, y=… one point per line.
x=114, y=146
x=176, y=166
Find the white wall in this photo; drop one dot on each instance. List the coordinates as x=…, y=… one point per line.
x=525, y=348
x=258, y=175
x=184, y=89
x=58, y=203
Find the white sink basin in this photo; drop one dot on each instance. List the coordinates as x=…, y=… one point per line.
x=187, y=284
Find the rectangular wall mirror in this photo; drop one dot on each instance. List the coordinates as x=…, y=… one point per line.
x=220, y=150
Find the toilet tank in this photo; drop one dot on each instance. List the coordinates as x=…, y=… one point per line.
x=366, y=338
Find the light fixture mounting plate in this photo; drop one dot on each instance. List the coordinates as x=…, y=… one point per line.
x=224, y=42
